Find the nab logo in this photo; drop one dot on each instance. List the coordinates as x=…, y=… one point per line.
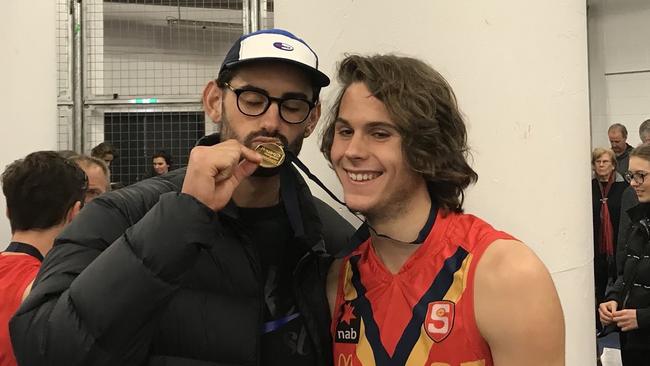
x=347, y=329
x=283, y=46
x=439, y=320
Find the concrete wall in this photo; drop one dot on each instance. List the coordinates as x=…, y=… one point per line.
x=519, y=69
x=618, y=42
x=28, y=77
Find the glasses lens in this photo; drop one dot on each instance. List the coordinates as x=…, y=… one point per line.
x=252, y=103
x=638, y=177
x=294, y=110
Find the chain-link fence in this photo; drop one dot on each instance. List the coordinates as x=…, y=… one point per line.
x=144, y=64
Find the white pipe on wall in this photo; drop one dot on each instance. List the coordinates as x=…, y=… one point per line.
x=519, y=70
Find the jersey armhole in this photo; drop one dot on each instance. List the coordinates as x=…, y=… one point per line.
x=469, y=311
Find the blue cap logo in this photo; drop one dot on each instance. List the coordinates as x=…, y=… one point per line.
x=283, y=46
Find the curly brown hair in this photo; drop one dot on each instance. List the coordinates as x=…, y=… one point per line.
x=424, y=108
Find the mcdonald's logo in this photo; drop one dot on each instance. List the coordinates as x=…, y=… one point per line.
x=344, y=360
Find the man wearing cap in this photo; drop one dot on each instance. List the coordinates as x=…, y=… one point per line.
x=223, y=263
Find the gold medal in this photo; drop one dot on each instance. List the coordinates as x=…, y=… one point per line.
x=272, y=154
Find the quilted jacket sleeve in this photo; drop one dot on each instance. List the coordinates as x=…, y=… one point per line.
x=100, y=290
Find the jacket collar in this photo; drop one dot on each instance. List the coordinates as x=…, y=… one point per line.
x=638, y=212
x=297, y=201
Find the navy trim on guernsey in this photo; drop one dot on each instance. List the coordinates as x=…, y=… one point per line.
x=411, y=334
x=18, y=247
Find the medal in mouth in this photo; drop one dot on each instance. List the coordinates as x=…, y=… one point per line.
x=272, y=154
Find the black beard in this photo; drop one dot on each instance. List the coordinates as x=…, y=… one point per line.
x=294, y=146
x=267, y=172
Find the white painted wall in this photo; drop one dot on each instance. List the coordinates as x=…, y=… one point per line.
x=618, y=40
x=519, y=69
x=28, y=77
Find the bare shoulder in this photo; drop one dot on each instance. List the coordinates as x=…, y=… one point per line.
x=332, y=283
x=517, y=308
x=510, y=263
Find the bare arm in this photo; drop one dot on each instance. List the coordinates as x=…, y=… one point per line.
x=517, y=308
x=28, y=289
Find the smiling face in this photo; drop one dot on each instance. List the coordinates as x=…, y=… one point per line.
x=368, y=158
x=160, y=165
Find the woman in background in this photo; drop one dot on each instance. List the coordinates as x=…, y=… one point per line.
x=607, y=188
x=162, y=162
x=627, y=304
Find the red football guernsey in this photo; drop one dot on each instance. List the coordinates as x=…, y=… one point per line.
x=17, y=271
x=424, y=314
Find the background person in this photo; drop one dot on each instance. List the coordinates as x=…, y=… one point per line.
x=627, y=305
x=617, y=134
x=44, y=193
x=628, y=201
x=104, y=151
x=607, y=188
x=161, y=163
x=97, y=173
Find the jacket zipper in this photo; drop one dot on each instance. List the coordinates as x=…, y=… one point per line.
x=253, y=257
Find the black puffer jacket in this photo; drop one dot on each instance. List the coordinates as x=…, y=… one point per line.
x=632, y=287
x=149, y=276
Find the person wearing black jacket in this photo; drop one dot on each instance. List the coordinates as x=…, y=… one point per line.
x=221, y=263
x=627, y=303
x=628, y=201
x=607, y=187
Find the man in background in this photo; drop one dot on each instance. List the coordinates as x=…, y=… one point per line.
x=44, y=192
x=98, y=175
x=617, y=134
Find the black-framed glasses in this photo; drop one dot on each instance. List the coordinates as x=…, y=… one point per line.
x=255, y=103
x=638, y=176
